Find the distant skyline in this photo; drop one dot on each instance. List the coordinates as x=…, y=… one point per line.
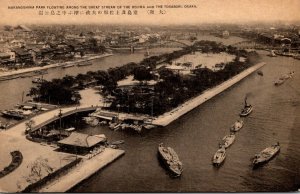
x=207, y=11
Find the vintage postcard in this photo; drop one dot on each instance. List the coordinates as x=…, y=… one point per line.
x=149, y=96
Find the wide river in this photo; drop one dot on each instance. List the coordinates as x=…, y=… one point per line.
x=196, y=135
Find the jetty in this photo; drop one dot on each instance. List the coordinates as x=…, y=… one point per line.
x=21, y=178
x=168, y=117
x=83, y=171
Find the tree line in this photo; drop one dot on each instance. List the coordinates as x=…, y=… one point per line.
x=171, y=89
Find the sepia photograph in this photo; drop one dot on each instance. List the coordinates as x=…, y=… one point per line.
x=149, y=96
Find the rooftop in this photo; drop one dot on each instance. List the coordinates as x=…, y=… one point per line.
x=82, y=140
x=4, y=55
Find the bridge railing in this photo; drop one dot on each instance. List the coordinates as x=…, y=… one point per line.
x=64, y=114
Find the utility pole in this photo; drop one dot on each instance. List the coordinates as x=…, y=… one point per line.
x=128, y=101
x=152, y=106
x=60, y=115
x=118, y=106
x=22, y=96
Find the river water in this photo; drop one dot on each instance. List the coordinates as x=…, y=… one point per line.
x=195, y=136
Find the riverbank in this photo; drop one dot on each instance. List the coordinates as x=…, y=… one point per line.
x=168, y=117
x=32, y=69
x=14, y=139
x=83, y=171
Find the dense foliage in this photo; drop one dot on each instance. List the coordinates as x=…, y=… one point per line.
x=171, y=90
x=174, y=89
x=58, y=91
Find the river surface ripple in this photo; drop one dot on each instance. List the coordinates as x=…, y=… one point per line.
x=195, y=136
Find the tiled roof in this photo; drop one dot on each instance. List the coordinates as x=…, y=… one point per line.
x=82, y=140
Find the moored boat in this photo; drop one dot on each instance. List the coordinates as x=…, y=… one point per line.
x=266, y=155
x=67, y=66
x=118, y=142
x=38, y=80
x=285, y=77
x=115, y=126
x=272, y=54
x=237, y=126
x=227, y=141
x=219, y=156
x=40, y=72
x=70, y=129
x=4, y=78
x=84, y=64
x=246, y=110
x=17, y=114
x=170, y=159
x=91, y=121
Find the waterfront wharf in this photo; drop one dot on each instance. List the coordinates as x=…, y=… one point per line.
x=83, y=171
x=15, y=73
x=14, y=139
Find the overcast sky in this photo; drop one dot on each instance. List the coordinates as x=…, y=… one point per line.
x=208, y=11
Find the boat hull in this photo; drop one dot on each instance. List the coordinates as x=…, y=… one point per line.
x=219, y=157
x=227, y=141
x=261, y=163
x=236, y=127
x=10, y=115
x=248, y=112
x=84, y=64
x=217, y=164
x=166, y=164
x=278, y=83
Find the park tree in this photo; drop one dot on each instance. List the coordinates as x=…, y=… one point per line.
x=57, y=91
x=142, y=73
x=38, y=169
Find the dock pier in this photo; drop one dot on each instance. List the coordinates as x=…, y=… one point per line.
x=83, y=171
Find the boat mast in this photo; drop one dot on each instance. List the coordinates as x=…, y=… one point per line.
x=246, y=101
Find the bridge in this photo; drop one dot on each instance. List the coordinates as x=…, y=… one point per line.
x=63, y=112
x=133, y=48
x=53, y=115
